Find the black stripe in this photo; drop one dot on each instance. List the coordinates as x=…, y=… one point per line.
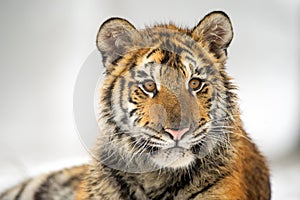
x=137, y=120
x=199, y=70
x=211, y=70
x=166, y=57
x=132, y=101
x=124, y=186
x=160, y=71
x=149, y=64
x=181, y=46
x=200, y=55
x=169, y=47
x=204, y=90
x=107, y=96
x=108, y=92
x=124, y=120
x=132, y=112
x=132, y=73
x=44, y=187
x=152, y=52
x=142, y=74
x=185, y=49
x=130, y=84
x=71, y=180
x=116, y=60
x=177, y=60
x=131, y=64
x=193, y=196
x=172, y=190
x=205, y=189
x=122, y=87
x=164, y=35
x=152, y=70
x=21, y=190
x=191, y=60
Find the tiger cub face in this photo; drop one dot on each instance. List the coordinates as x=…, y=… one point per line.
x=166, y=93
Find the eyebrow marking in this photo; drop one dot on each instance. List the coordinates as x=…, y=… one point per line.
x=152, y=52
x=190, y=59
x=141, y=74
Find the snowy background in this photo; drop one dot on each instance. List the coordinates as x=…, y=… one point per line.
x=45, y=44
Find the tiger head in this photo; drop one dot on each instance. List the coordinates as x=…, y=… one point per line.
x=166, y=93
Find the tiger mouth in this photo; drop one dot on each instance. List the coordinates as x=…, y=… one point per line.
x=185, y=144
x=176, y=148
x=173, y=157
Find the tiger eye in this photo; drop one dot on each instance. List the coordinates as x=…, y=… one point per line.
x=149, y=86
x=195, y=84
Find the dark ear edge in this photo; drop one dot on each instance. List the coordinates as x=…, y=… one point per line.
x=115, y=35
x=214, y=32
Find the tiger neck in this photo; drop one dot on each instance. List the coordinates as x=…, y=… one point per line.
x=203, y=174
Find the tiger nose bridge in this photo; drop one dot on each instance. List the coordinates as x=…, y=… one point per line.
x=179, y=114
x=177, y=104
x=178, y=118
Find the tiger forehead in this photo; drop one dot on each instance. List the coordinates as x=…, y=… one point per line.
x=177, y=43
x=165, y=57
x=168, y=38
x=169, y=65
x=165, y=64
x=162, y=34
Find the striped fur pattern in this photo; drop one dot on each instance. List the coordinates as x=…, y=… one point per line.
x=52, y=186
x=170, y=123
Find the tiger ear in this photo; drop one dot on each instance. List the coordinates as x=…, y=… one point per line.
x=214, y=32
x=115, y=37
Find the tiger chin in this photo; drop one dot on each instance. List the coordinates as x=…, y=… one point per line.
x=169, y=119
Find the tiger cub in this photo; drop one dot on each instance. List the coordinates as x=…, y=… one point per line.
x=170, y=123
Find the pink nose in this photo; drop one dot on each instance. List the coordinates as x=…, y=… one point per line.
x=177, y=134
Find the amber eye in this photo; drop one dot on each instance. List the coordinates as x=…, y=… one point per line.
x=149, y=86
x=195, y=84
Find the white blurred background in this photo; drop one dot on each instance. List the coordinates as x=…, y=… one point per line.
x=43, y=45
